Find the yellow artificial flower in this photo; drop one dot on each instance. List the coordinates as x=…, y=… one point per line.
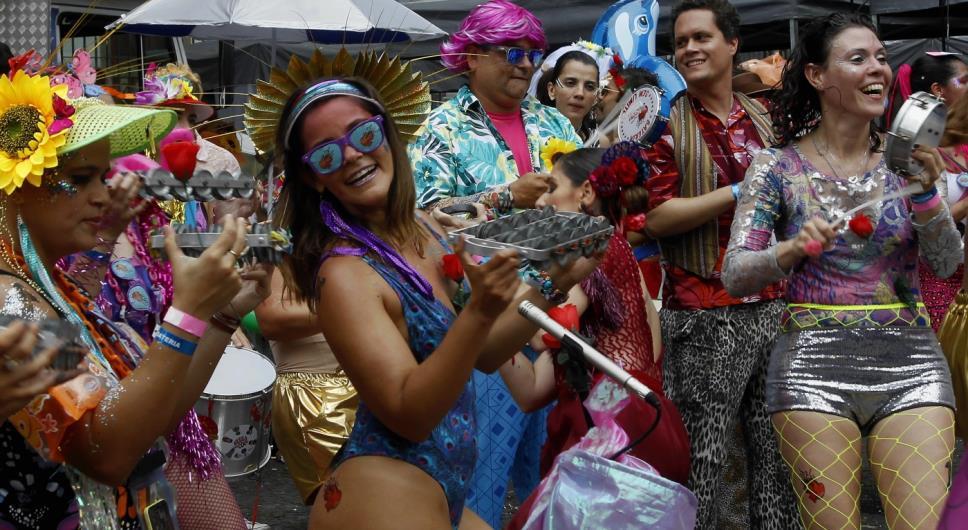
x=554, y=148
x=26, y=113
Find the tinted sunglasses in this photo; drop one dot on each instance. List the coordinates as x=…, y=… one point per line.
x=515, y=55
x=366, y=137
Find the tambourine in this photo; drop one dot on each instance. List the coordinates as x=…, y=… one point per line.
x=920, y=121
x=639, y=115
x=203, y=186
x=265, y=244
x=640, y=119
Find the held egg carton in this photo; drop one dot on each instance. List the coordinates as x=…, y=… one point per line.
x=540, y=236
x=264, y=243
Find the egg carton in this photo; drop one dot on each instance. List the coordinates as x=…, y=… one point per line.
x=203, y=186
x=542, y=237
x=265, y=244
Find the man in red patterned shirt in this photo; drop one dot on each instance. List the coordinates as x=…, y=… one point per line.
x=717, y=346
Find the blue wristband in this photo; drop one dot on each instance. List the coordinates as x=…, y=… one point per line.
x=736, y=191
x=920, y=198
x=174, y=342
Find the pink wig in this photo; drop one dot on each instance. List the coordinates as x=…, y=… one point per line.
x=494, y=22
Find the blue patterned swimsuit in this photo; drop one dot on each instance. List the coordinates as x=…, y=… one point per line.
x=450, y=453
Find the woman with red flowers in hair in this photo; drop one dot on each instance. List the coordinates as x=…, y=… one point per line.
x=613, y=307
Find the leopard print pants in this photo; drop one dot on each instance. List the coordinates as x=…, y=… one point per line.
x=715, y=373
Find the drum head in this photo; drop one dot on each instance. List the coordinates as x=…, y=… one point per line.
x=241, y=372
x=639, y=115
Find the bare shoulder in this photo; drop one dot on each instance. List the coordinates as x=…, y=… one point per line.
x=344, y=279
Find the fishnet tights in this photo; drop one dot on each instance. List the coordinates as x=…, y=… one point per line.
x=910, y=454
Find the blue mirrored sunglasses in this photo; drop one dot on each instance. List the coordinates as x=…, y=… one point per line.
x=514, y=55
x=366, y=137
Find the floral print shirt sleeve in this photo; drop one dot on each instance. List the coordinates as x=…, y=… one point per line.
x=458, y=155
x=750, y=263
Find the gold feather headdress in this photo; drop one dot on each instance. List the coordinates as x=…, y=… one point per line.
x=405, y=93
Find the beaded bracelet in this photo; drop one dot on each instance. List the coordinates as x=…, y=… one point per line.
x=174, y=342
x=546, y=286
x=224, y=322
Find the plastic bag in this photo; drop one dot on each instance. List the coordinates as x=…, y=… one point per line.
x=586, y=490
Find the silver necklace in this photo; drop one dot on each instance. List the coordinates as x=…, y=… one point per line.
x=823, y=154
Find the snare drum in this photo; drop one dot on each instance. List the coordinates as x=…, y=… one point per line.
x=920, y=121
x=234, y=410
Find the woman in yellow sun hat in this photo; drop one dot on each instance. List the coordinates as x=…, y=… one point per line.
x=68, y=446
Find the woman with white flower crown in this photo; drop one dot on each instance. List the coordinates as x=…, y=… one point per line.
x=68, y=446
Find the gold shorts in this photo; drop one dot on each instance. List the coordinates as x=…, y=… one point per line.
x=954, y=341
x=312, y=416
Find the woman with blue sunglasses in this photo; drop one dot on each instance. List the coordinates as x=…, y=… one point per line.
x=392, y=299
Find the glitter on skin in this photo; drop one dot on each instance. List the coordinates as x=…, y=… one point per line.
x=22, y=303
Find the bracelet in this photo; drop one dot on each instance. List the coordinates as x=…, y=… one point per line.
x=94, y=255
x=926, y=196
x=926, y=205
x=224, y=322
x=185, y=322
x=736, y=191
x=174, y=342
x=546, y=286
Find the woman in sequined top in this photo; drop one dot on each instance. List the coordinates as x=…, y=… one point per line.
x=857, y=355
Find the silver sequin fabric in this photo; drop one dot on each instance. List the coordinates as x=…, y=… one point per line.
x=863, y=374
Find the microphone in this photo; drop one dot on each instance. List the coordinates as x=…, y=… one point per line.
x=605, y=365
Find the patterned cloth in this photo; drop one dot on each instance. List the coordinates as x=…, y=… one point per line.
x=509, y=445
x=783, y=190
x=732, y=148
x=460, y=154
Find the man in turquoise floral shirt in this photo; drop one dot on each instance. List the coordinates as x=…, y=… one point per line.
x=484, y=145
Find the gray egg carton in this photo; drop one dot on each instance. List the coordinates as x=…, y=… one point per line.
x=202, y=186
x=541, y=236
x=265, y=244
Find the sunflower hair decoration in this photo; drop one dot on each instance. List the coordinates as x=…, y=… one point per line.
x=553, y=149
x=34, y=119
x=404, y=92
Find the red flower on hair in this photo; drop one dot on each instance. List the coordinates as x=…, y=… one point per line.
x=604, y=181
x=626, y=171
x=861, y=225
x=452, y=266
x=567, y=316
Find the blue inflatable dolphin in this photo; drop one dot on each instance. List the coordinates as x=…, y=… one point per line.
x=629, y=27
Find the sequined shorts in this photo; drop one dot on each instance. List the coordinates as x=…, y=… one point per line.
x=312, y=416
x=864, y=374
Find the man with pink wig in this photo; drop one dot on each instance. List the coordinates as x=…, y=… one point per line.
x=483, y=146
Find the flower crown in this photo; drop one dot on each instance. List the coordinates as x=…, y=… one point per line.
x=171, y=82
x=622, y=166
x=34, y=119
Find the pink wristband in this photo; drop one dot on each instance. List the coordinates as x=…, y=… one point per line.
x=185, y=322
x=925, y=206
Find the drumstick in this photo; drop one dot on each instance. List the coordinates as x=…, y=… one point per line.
x=910, y=189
